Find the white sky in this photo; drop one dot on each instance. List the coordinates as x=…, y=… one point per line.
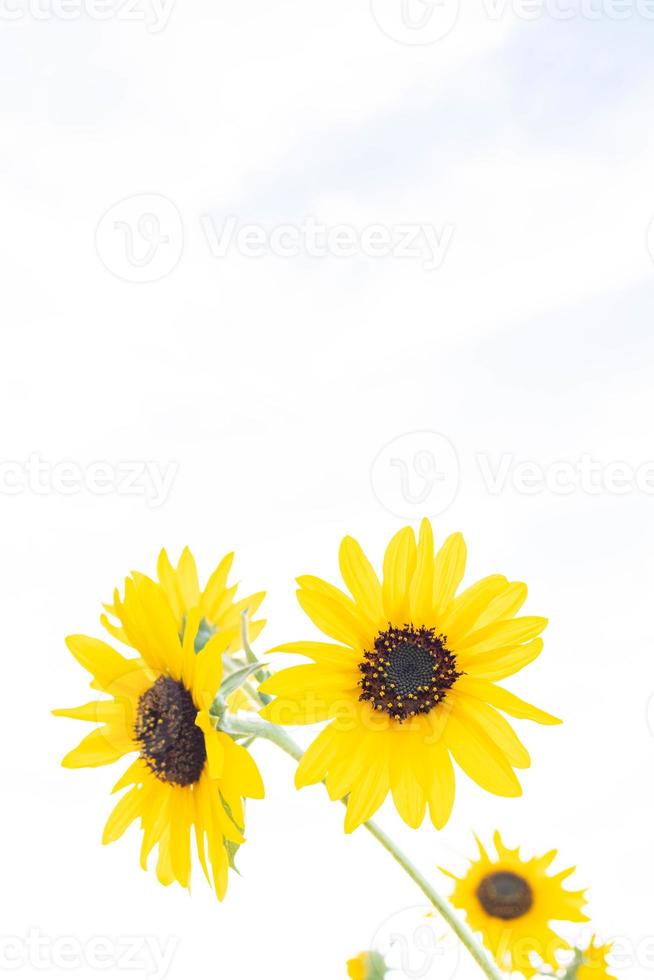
x=271, y=384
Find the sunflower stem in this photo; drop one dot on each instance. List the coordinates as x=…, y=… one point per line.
x=571, y=971
x=277, y=735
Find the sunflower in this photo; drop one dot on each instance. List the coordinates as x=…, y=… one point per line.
x=367, y=966
x=594, y=965
x=410, y=681
x=511, y=903
x=187, y=773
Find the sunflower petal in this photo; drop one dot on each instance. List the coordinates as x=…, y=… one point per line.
x=399, y=566
x=449, y=568
x=361, y=579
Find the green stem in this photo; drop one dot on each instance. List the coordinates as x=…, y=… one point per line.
x=277, y=735
x=571, y=972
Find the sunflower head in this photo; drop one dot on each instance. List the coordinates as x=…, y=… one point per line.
x=512, y=901
x=367, y=966
x=187, y=775
x=594, y=962
x=408, y=679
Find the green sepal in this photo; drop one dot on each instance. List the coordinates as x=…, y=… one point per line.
x=230, y=846
x=234, y=680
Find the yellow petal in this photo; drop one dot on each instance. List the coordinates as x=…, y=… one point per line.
x=361, y=579
x=498, y=664
x=505, y=701
x=441, y=787
x=461, y=615
x=505, y=606
x=124, y=813
x=449, y=568
x=208, y=671
x=171, y=586
x=112, y=672
x=368, y=793
x=509, y=632
x=187, y=575
x=247, y=779
x=480, y=759
x=213, y=745
x=408, y=794
x=296, y=681
x=325, y=654
x=98, y=748
x=422, y=586
x=215, y=588
x=399, y=565
x=498, y=730
x=335, y=616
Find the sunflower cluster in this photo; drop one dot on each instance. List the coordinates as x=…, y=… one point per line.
x=407, y=680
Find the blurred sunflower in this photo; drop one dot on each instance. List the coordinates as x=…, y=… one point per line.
x=410, y=680
x=511, y=903
x=187, y=774
x=219, y=611
x=367, y=966
x=594, y=965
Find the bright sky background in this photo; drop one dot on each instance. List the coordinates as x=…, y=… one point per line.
x=268, y=387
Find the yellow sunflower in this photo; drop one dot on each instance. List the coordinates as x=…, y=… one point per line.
x=594, y=965
x=187, y=774
x=410, y=681
x=511, y=903
x=367, y=966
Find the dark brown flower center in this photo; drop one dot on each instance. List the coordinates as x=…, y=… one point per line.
x=505, y=895
x=408, y=672
x=171, y=743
